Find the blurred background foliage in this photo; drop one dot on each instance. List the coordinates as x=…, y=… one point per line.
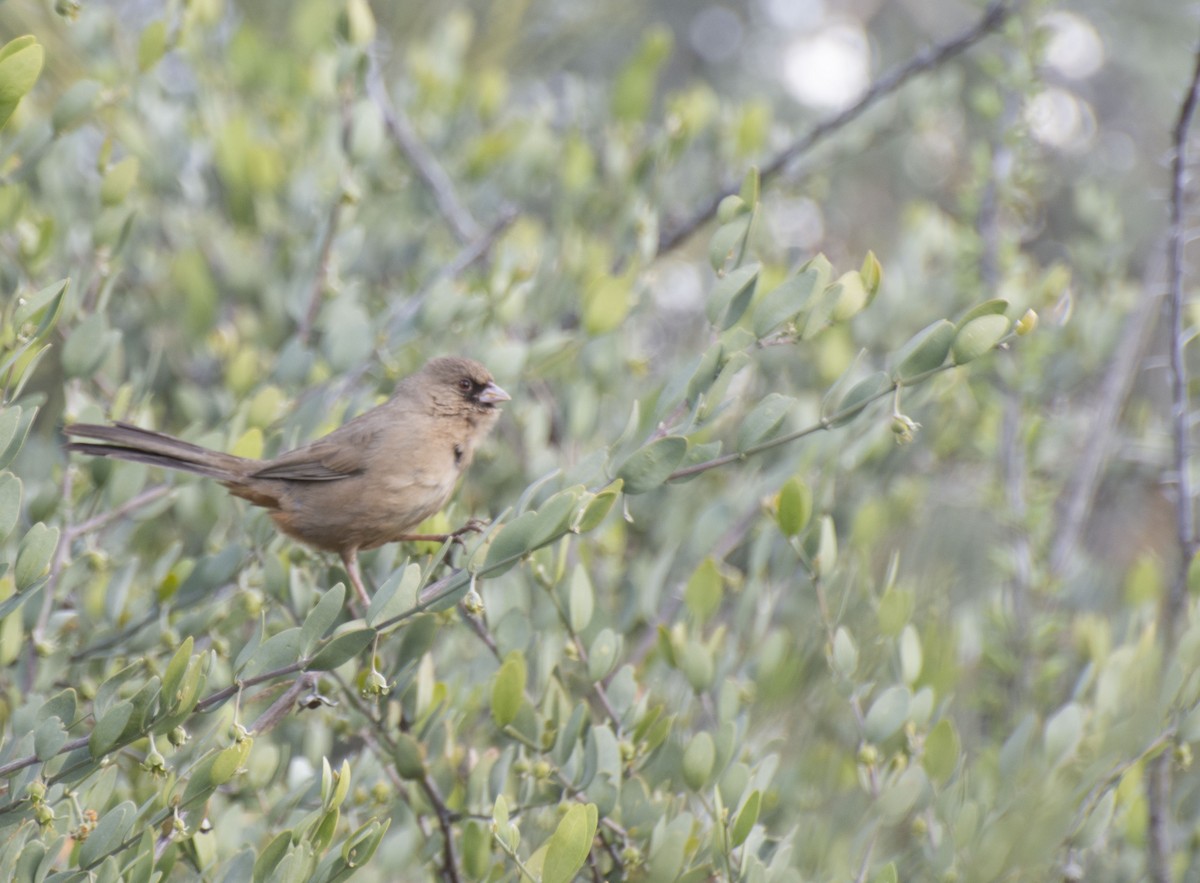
x=840, y=658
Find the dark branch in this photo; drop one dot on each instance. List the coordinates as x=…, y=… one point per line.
x=998, y=12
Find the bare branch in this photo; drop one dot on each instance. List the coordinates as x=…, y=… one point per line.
x=429, y=170
x=1158, y=772
x=997, y=12
x=1185, y=519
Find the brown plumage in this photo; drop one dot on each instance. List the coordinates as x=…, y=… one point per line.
x=367, y=483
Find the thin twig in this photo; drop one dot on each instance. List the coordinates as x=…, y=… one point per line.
x=1158, y=772
x=466, y=229
x=995, y=15
x=1175, y=303
x=145, y=498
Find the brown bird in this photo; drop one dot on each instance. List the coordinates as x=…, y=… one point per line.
x=366, y=483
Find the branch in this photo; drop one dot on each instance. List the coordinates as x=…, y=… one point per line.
x=1185, y=519
x=830, y=422
x=428, y=169
x=1158, y=773
x=325, y=249
x=997, y=12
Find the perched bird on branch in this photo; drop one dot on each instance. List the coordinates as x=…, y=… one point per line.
x=367, y=483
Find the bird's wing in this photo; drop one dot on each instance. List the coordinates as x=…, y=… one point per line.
x=327, y=459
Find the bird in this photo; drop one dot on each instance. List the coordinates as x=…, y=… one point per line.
x=367, y=483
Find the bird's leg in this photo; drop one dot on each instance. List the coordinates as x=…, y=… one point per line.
x=350, y=559
x=474, y=525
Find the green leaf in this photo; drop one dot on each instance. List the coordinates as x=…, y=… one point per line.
x=926, y=351
x=322, y=616
x=48, y=738
x=978, y=336
x=409, y=757
x=341, y=648
x=118, y=180
x=845, y=653
x=897, y=801
x=698, y=760
x=745, y=820
x=648, y=467
x=732, y=294
x=852, y=297
x=764, y=419
x=361, y=845
x=895, y=607
x=152, y=45
x=396, y=595
x=580, y=600
x=476, y=849
x=911, y=659
x=704, y=591
x=110, y=832
x=20, y=64
x=941, y=751
x=10, y=502
x=34, y=554
x=229, y=760
x=570, y=843
x=508, y=690
x=88, y=345
x=61, y=705
x=276, y=652
x=750, y=186
x=43, y=305
x=175, y=670
x=859, y=396
x=603, y=653
x=997, y=306
x=272, y=854
x=872, y=275
x=793, y=506
x=247, y=651
x=553, y=518
x=887, y=714
x=109, y=728
x=598, y=507
x=1064, y=731
x=606, y=303
x=786, y=301
x=821, y=545
x=10, y=420
x=514, y=540
x=23, y=420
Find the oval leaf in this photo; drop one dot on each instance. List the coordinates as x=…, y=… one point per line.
x=698, y=759
x=649, y=467
x=764, y=419
x=508, y=691
x=322, y=616
x=859, y=396
x=277, y=651
x=793, y=506
x=10, y=503
x=887, y=714
x=926, y=351
x=979, y=336
x=109, y=728
x=941, y=751
x=570, y=844
x=33, y=556
x=340, y=649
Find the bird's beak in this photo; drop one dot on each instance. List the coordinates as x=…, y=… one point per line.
x=493, y=395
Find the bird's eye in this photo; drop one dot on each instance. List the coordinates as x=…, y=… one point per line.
x=465, y=384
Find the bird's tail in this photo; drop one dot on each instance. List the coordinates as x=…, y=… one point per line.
x=126, y=442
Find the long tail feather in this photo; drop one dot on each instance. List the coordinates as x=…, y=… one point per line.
x=125, y=442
